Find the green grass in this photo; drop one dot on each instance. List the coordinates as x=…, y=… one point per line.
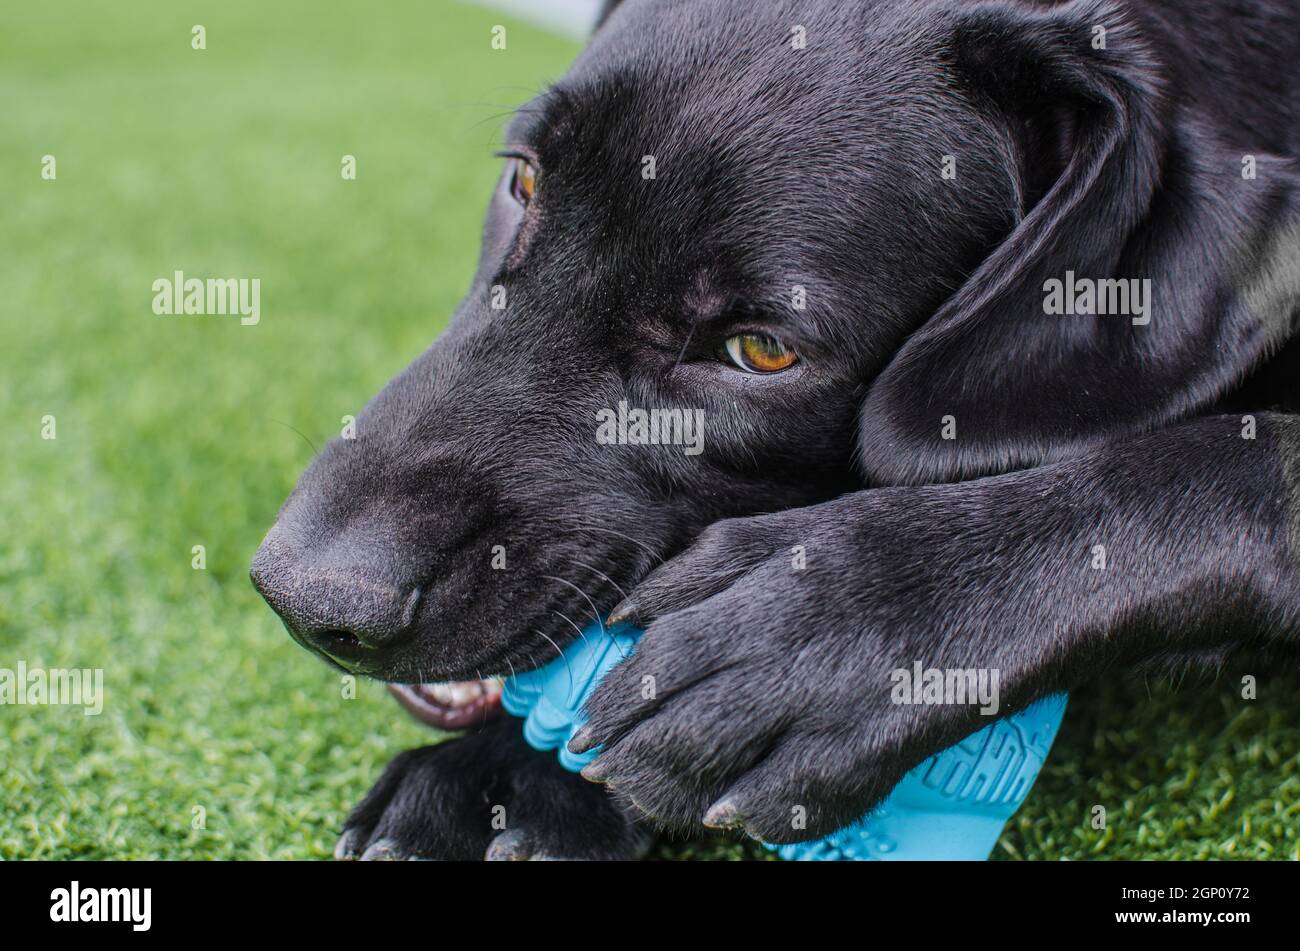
x=175, y=432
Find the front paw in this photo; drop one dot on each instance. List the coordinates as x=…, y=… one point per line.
x=487, y=795
x=761, y=695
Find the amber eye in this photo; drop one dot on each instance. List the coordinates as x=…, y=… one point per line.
x=524, y=181
x=759, y=353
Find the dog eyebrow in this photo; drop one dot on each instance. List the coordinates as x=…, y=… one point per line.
x=548, y=114
x=759, y=312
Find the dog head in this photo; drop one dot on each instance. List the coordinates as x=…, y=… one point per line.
x=742, y=258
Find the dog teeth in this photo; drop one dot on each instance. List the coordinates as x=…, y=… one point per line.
x=461, y=693
x=454, y=694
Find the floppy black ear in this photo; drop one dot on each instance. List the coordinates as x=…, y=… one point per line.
x=1130, y=184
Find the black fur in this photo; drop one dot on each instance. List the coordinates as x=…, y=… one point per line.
x=820, y=167
x=489, y=795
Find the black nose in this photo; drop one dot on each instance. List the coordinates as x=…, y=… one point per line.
x=333, y=603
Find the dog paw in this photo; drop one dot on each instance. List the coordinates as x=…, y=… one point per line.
x=762, y=695
x=488, y=796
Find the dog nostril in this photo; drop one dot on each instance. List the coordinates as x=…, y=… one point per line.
x=343, y=611
x=343, y=640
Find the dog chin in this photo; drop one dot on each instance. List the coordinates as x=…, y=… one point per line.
x=454, y=705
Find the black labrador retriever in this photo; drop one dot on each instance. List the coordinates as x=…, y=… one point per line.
x=989, y=311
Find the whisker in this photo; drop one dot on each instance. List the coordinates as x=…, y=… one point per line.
x=484, y=719
x=597, y=571
x=314, y=451
x=658, y=559
x=567, y=666
x=592, y=604
x=686, y=343
x=495, y=117
x=599, y=620
x=575, y=627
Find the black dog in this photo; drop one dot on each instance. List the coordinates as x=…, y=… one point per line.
x=991, y=310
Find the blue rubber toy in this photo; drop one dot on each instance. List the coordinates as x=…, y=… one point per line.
x=952, y=806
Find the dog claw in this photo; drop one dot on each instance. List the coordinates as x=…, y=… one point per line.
x=385, y=850
x=582, y=741
x=348, y=845
x=723, y=815
x=623, y=612
x=510, y=846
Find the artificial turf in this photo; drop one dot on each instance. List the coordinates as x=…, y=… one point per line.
x=181, y=431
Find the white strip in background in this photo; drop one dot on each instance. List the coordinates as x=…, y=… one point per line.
x=573, y=18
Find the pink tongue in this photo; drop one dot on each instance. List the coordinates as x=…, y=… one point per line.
x=451, y=706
